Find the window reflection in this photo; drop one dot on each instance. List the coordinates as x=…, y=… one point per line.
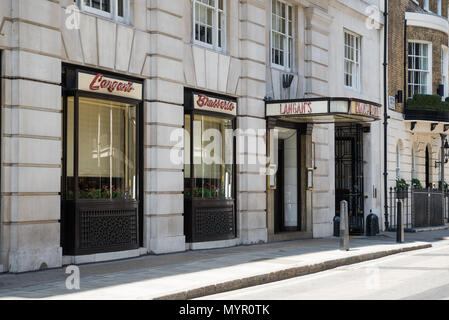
x=213, y=153
x=107, y=149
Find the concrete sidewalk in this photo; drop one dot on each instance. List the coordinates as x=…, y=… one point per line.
x=198, y=273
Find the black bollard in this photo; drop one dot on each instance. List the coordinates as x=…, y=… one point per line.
x=399, y=224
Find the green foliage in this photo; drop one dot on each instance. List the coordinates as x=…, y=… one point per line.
x=401, y=184
x=440, y=185
x=427, y=102
x=104, y=193
x=416, y=184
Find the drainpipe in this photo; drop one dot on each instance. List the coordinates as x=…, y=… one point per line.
x=386, y=114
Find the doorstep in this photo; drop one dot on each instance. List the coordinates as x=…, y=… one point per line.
x=103, y=257
x=427, y=229
x=288, y=236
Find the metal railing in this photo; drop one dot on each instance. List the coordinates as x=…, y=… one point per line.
x=420, y=207
x=446, y=206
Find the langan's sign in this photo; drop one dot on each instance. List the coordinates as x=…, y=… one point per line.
x=365, y=109
x=207, y=103
x=101, y=84
x=297, y=108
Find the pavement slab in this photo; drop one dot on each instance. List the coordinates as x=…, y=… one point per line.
x=195, y=274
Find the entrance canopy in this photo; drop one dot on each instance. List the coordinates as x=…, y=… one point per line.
x=324, y=110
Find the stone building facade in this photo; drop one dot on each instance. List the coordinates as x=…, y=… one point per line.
x=78, y=185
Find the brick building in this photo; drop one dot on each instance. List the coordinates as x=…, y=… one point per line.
x=418, y=86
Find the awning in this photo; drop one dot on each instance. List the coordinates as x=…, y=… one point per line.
x=324, y=110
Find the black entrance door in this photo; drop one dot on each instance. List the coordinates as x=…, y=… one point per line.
x=349, y=174
x=279, y=192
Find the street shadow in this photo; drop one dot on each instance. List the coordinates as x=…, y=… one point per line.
x=161, y=272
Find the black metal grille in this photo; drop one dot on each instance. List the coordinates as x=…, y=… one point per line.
x=108, y=228
x=349, y=174
x=214, y=223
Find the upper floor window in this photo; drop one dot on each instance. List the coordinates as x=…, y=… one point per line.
x=112, y=9
x=418, y=68
x=352, y=60
x=281, y=34
x=209, y=18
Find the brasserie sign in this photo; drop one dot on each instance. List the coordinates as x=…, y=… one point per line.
x=207, y=103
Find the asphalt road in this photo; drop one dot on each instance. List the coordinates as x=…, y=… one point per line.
x=416, y=275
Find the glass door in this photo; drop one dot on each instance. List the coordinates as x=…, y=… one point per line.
x=286, y=196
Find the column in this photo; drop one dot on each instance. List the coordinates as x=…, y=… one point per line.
x=31, y=137
x=164, y=98
x=251, y=199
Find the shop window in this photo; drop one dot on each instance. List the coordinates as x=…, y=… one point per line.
x=352, y=61
x=102, y=174
x=281, y=34
x=118, y=10
x=107, y=150
x=209, y=23
x=212, y=157
x=419, y=65
x=209, y=167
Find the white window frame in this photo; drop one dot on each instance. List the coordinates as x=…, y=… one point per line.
x=215, y=46
x=445, y=70
x=439, y=8
x=428, y=71
x=356, y=71
x=426, y=5
x=113, y=15
x=289, y=57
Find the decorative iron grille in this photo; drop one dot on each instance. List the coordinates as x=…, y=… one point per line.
x=108, y=228
x=213, y=223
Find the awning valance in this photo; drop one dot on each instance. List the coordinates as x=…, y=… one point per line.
x=324, y=110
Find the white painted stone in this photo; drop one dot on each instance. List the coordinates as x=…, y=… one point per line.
x=34, y=66
x=39, y=11
x=31, y=208
x=165, y=68
x=31, y=179
x=40, y=39
x=124, y=45
x=164, y=181
x=31, y=151
x=234, y=75
x=139, y=51
x=211, y=70
x=189, y=67
x=106, y=43
x=164, y=91
x=167, y=245
x=88, y=35
x=199, y=58
x=162, y=204
x=164, y=22
x=164, y=113
x=163, y=45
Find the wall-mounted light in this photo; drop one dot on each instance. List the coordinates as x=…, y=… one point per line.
x=287, y=80
x=445, y=155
